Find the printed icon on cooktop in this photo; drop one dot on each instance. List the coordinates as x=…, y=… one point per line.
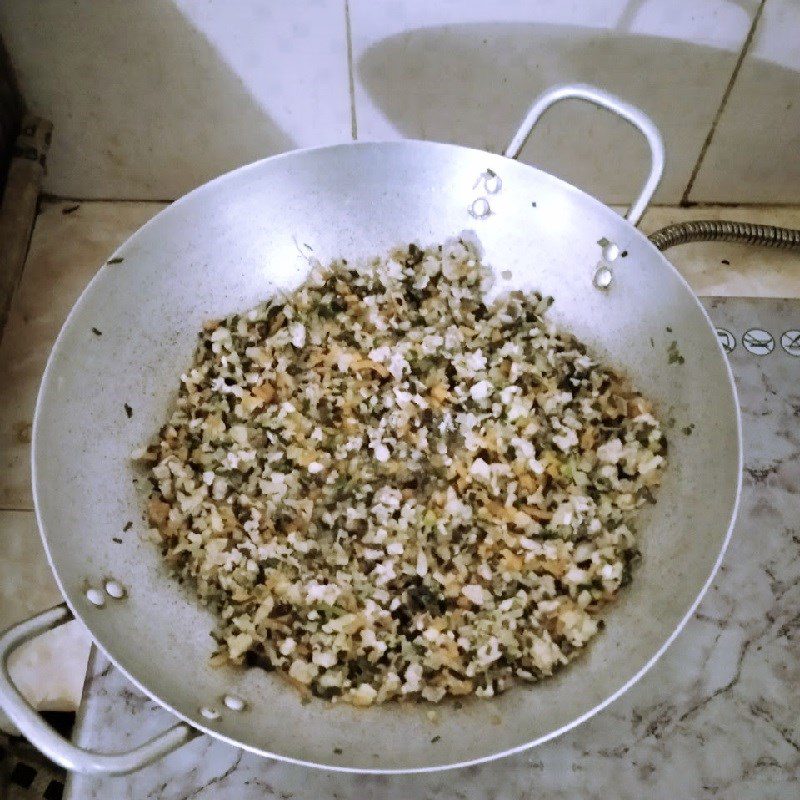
x=758, y=341
x=790, y=342
x=726, y=339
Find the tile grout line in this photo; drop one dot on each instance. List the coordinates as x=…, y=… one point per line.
x=723, y=103
x=57, y=198
x=350, y=76
x=66, y=198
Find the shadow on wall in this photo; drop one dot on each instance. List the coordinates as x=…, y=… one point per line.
x=764, y=146
x=181, y=115
x=472, y=84
x=632, y=9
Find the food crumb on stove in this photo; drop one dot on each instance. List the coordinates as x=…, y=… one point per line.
x=435, y=739
x=623, y=254
x=116, y=539
x=689, y=429
x=726, y=262
x=97, y=332
x=115, y=260
x=128, y=526
x=128, y=410
x=338, y=751
x=669, y=330
x=428, y=493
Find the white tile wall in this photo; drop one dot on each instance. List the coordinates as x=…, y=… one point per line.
x=755, y=152
x=150, y=98
x=466, y=70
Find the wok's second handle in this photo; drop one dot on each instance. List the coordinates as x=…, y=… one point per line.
x=598, y=97
x=47, y=740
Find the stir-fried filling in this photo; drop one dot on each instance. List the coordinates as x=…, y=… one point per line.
x=387, y=488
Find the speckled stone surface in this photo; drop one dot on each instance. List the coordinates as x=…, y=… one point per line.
x=717, y=717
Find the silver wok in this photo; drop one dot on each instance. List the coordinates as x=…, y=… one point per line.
x=228, y=245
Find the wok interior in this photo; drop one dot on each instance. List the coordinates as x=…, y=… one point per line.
x=234, y=242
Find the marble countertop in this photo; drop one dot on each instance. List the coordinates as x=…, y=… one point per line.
x=717, y=717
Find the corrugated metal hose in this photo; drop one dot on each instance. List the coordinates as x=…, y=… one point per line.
x=716, y=230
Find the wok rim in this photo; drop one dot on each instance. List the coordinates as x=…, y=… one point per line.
x=204, y=728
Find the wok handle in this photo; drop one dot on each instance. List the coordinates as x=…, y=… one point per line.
x=603, y=99
x=45, y=738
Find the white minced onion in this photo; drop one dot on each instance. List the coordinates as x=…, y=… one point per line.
x=387, y=489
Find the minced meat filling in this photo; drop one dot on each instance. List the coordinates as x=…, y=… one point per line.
x=387, y=488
